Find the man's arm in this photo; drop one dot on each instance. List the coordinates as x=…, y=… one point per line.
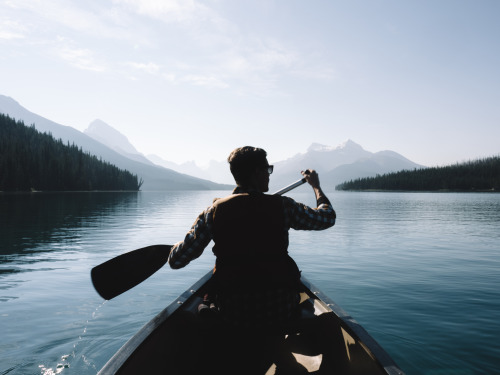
x=312, y=178
x=302, y=217
x=198, y=237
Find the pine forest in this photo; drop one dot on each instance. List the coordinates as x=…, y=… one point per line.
x=34, y=161
x=479, y=175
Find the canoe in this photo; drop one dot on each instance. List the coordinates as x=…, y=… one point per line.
x=323, y=339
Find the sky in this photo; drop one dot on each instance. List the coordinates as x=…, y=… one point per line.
x=191, y=80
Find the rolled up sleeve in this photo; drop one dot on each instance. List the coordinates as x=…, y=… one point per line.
x=302, y=217
x=196, y=240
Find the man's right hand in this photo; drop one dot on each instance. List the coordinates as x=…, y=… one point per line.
x=311, y=177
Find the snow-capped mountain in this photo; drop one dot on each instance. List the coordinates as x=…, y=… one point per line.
x=337, y=164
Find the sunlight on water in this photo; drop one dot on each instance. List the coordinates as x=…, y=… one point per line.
x=75, y=356
x=60, y=367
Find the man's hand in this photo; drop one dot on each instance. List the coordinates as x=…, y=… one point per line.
x=311, y=177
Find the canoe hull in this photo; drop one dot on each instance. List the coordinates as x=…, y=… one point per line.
x=325, y=340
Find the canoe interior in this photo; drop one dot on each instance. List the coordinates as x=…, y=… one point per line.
x=324, y=340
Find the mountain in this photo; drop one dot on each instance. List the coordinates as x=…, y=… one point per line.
x=335, y=165
x=107, y=135
x=115, y=140
x=32, y=161
x=188, y=167
x=155, y=177
x=217, y=171
x=338, y=164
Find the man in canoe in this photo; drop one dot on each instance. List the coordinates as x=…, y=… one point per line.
x=256, y=281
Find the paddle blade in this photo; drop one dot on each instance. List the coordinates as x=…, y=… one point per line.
x=125, y=271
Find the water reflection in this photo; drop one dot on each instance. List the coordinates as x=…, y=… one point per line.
x=404, y=265
x=27, y=221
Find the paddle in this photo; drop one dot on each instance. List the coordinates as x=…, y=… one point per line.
x=117, y=275
x=125, y=271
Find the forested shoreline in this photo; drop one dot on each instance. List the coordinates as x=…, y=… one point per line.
x=478, y=175
x=34, y=161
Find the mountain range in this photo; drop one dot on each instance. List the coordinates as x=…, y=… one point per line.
x=335, y=165
x=155, y=177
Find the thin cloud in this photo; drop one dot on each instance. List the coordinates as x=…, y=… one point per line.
x=182, y=41
x=11, y=30
x=49, y=15
x=150, y=68
x=177, y=11
x=205, y=80
x=81, y=58
x=225, y=56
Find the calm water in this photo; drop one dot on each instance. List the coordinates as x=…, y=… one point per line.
x=421, y=272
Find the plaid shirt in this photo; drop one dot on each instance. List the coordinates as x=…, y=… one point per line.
x=297, y=216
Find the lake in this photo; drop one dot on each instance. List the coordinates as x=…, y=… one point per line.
x=419, y=271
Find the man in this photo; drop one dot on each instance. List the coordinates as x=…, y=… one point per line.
x=256, y=281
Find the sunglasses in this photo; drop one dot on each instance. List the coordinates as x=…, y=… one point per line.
x=269, y=169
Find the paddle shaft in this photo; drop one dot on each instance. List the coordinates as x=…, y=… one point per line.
x=286, y=189
x=119, y=274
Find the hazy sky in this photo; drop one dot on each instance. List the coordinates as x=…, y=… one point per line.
x=191, y=80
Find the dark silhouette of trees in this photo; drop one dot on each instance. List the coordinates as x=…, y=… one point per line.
x=30, y=160
x=478, y=175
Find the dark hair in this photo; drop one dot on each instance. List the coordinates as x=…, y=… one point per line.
x=243, y=161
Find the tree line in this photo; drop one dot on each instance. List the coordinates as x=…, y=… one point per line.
x=30, y=160
x=478, y=175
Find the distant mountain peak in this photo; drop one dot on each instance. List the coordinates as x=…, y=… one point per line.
x=318, y=147
x=109, y=136
x=100, y=128
x=349, y=144
x=346, y=145
x=98, y=124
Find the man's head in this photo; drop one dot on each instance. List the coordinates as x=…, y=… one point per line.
x=249, y=167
